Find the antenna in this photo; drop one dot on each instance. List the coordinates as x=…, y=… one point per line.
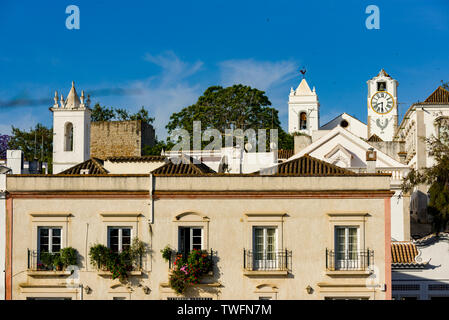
x=35, y=142
x=42, y=148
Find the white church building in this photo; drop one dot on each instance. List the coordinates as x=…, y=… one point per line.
x=381, y=145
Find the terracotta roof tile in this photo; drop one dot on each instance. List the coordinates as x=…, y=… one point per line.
x=94, y=165
x=440, y=95
x=375, y=138
x=307, y=166
x=184, y=165
x=404, y=255
x=285, y=154
x=137, y=159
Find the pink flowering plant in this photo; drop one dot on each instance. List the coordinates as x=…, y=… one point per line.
x=188, y=271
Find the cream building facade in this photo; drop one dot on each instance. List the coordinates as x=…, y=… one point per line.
x=305, y=212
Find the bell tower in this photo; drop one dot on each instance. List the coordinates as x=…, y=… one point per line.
x=382, y=106
x=71, y=130
x=303, y=109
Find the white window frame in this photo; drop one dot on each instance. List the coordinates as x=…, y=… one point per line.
x=345, y=263
x=50, y=238
x=191, y=228
x=120, y=236
x=265, y=263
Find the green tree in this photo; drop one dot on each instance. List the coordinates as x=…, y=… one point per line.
x=445, y=85
x=437, y=177
x=37, y=143
x=102, y=113
x=236, y=107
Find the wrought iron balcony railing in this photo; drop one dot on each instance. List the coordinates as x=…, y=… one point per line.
x=349, y=260
x=267, y=260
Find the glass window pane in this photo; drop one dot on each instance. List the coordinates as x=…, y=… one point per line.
x=43, y=232
x=55, y=248
x=113, y=232
x=196, y=232
x=126, y=232
x=56, y=232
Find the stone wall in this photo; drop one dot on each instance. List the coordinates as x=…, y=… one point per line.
x=120, y=138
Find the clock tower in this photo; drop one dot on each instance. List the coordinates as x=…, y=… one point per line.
x=382, y=106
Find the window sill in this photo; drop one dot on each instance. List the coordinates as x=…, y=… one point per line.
x=46, y=273
x=265, y=273
x=109, y=273
x=348, y=273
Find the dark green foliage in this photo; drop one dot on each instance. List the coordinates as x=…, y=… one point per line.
x=102, y=113
x=119, y=264
x=36, y=143
x=236, y=107
x=437, y=177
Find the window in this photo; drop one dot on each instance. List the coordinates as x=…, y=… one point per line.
x=303, y=121
x=190, y=238
x=346, y=248
x=49, y=239
x=68, y=137
x=265, y=247
x=119, y=238
x=381, y=86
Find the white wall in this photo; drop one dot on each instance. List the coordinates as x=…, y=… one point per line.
x=437, y=272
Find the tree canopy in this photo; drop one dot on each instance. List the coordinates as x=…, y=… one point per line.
x=103, y=113
x=437, y=177
x=37, y=143
x=235, y=107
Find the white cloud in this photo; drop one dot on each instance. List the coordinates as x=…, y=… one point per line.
x=262, y=75
x=167, y=92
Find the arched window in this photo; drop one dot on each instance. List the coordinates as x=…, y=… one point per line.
x=302, y=121
x=68, y=137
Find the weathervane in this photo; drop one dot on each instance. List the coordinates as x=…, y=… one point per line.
x=303, y=72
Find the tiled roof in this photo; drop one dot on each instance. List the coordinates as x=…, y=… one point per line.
x=375, y=138
x=94, y=165
x=184, y=165
x=403, y=255
x=284, y=154
x=136, y=159
x=440, y=95
x=307, y=166
x=432, y=238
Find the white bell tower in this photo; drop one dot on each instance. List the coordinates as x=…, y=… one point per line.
x=71, y=130
x=382, y=106
x=303, y=109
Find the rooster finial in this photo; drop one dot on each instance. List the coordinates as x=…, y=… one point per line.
x=303, y=72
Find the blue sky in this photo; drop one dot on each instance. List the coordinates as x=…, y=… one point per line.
x=171, y=51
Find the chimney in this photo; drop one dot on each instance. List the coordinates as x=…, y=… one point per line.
x=300, y=142
x=14, y=161
x=371, y=157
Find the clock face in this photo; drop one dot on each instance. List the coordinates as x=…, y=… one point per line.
x=382, y=102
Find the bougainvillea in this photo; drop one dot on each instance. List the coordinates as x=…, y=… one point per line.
x=4, y=139
x=189, y=271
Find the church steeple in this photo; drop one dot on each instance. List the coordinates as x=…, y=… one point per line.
x=382, y=106
x=303, y=106
x=71, y=126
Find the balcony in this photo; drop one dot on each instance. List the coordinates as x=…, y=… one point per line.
x=35, y=267
x=266, y=263
x=349, y=263
x=174, y=256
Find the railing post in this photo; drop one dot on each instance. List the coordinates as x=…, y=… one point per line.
x=327, y=263
x=244, y=259
x=28, y=251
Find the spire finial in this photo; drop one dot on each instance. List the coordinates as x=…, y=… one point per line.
x=303, y=72
x=82, y=96
x=73, y=84
x=56, y=99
